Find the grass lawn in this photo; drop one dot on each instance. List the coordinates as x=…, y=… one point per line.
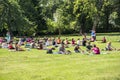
x=37, y=65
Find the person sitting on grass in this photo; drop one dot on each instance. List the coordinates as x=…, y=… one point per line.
x=23, y=40
x=109, y=47
x=10, y=46
x=84, y=42
x=89, y=46
x=63, y=41
x=47, y=43
x=40, y=46
x=4, y=44
x=49, y=51
x=27, y=45
x=73, y=42
x=18, y=47
x=54, y=43
x=63, y=51
x=50, y=41
x=78, y=42
x=95, y=49
x=66, y=43
x=58, y=40
x=20, y=41
x=104, y=40
x=33, y=44
x=77, y=49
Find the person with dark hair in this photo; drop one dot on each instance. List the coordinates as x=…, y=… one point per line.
x=77, y=49
x=10, y=46
x=58, y=40
x=40, y=46
x=89, y=46
x=18, y=47
x=78, y=42
x=104, y=40
x=66, y=43
x=73, y=42
x=54, y=43
x=95, y=49
x=49, y=51
x=63, y=41
x=84, y=42
x=62, y=49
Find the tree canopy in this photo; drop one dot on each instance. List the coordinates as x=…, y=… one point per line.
x=25, y=17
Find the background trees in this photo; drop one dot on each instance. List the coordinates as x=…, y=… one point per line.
x=25, y=17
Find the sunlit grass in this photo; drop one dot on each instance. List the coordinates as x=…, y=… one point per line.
x=37, y=65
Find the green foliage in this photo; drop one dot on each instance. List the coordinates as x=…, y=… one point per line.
x=39, y=16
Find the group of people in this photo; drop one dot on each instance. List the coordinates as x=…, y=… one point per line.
x=50, y=44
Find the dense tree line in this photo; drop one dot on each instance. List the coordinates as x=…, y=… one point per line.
x=25, y=17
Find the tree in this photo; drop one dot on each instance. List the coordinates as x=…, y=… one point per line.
x=12, y=17
x=59, y=20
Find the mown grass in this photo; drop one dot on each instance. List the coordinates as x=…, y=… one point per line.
x=37, y=65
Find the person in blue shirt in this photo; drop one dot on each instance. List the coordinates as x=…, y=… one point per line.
x=8, y=37
x=93, y=34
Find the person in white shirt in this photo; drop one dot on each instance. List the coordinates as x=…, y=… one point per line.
x=78, y=42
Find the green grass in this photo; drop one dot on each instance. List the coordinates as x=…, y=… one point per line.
x=37, y=65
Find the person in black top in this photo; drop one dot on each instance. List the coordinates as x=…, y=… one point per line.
x=89, y=46
x=84, y=42
x=77, y=49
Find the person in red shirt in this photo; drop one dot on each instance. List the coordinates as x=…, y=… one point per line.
x=73, y=42
x=10, y=46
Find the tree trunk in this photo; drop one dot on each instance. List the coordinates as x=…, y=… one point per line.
x=82, y=27
x=59, y=30
x=107, y=22
x=95, y=24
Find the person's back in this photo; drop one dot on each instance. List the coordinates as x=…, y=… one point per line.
x=58, y=41
x=76, y=49
x=16, y=46
x=10, y=46
x=96, y=50
x=84, y=42
x=104, y=40
x=40, y=46
x=109, y=47
x=89, y=46
x=49, y=51
x=62, y=49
